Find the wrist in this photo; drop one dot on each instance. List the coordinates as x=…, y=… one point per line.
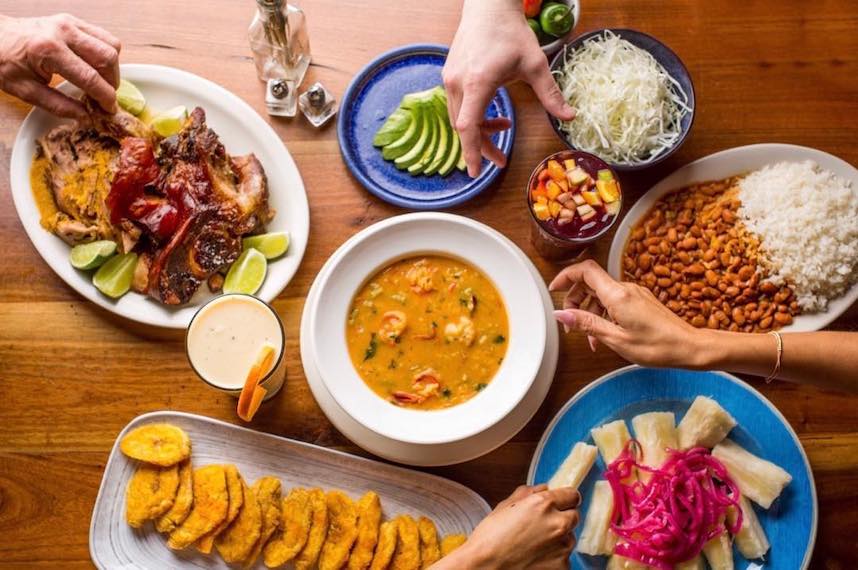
x=708, y=349
x=484, y=6
x=471, y=555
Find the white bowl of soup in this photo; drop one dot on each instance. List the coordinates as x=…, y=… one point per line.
x=428, y=329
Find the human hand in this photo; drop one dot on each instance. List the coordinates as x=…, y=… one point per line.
x=532, y=529
x=33, y=49
x=492, y=46
x=641, y=329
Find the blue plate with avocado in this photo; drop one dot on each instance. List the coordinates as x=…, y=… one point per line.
x=396, y=137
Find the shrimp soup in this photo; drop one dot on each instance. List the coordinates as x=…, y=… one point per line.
x=427, y=332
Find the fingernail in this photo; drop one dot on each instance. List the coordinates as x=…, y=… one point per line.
x=566, y=329
x=565, y=318
x=592, y=342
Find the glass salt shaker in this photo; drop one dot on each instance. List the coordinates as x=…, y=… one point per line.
x=281, y=51
x=318, y=104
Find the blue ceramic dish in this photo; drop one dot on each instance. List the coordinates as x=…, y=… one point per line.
x=790, y=523
x=668, y=60
x=375, y=93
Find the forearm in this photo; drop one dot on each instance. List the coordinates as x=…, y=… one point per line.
x=826, y=359
x=466, y=557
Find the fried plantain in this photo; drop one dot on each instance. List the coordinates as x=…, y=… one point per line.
x=407, y=553
x=235, y=488
x=184, y=500
x=236, y=542
x=267, y=491
x=150, y=493
x=430, y=552
x=369, y=517
x=387, y=539
x=318, y=531
x=295, y=523
x=451, y=542
x=342, y=531
x=211, y=502
x=158, y=444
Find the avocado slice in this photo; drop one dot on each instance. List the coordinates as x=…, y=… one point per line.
x=393, y=128
x=413, y=100
x=404, y=143
x=453, y=157
x=444, y=137
x=431, y=148
x=461, y=165
x=416, y=152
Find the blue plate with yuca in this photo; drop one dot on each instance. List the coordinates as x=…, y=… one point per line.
x=791, y=520
x=376, y=93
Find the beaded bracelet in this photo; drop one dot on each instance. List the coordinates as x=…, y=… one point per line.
x=777, y=369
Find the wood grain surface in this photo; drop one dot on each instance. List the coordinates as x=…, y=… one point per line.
x=72, y=375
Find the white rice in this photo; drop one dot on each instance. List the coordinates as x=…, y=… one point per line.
x=807, y=221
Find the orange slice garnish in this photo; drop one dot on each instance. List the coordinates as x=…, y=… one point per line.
x=252, y=394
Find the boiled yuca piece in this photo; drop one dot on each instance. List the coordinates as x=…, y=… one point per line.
x=616, y=562
x=760, y=480
x=575, y=467
x=751, y=539
x=695, y=563
x=719, y=552
x=705, y=424
x=611, y=439
x=656, y=433
x=595, y=538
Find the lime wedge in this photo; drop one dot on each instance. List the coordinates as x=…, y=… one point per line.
x=91, y=255
x=114, y=277
x=130, y=98
x=170, y=122
x=271, y=245
x=247, y=273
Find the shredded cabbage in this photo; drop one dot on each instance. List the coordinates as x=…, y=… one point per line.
x=629, y=108
x=668, y=519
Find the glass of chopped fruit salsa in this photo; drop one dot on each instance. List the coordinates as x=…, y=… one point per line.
x=574, y=198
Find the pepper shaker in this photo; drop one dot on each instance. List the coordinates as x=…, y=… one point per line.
x=318, y=104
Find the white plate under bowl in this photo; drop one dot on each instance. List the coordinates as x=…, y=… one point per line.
x=413, y=235
x=113, y=544
x=438, y=454
x=241, y=130
x=732, y=162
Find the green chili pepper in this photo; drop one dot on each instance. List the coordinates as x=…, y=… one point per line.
x=556, y=19
x=534, y=25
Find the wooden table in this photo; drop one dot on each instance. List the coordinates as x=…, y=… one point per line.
x=72, y=375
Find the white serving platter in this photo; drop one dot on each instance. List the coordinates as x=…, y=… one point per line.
x=115, y=545
x=241, y=130
x=432, y=454
x=733, y=162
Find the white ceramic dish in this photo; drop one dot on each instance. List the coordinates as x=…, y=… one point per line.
x=241, y=130
x=114, y=545
x=406, y=236
x=440, y=454
x=728, y=163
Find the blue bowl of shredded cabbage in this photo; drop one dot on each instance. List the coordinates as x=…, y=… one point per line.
x=633, y=96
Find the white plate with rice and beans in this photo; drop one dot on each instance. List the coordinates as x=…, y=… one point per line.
x=751, y=239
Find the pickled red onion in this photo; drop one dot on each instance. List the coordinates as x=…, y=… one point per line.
x=668, y=519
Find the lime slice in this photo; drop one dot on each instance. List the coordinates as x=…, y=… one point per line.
x=246, y=274
x=170, y=122
x=114, y=277
x=91, y=255
x=271, y=245
x=130, y=98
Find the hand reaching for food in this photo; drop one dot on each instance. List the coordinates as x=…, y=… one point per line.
x=493, y=45
x=628, y=319
x=32, y=50
x=531, y=529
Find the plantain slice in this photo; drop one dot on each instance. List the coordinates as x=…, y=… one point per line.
x=211, y=502
x=451, y=542
x=369, y=518
x=267, y=490
x=184, y=500
x=430, y=552
x=318, y=531
x=342, y=531
x=150, y=493
x=158, y=444
x=235, y=543
x=235, y=488
x=387, y=539
x=407, y=553
x=295, y=524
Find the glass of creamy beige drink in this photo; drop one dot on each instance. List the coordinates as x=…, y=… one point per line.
x=225, y=338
